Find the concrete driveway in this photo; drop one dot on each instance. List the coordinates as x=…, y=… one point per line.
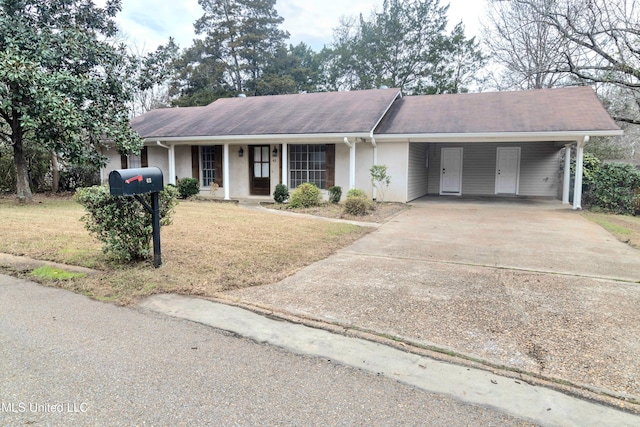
x=529, y=285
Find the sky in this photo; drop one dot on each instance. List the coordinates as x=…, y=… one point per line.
x=149, y=23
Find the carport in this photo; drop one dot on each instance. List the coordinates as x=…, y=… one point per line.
x=497, y=144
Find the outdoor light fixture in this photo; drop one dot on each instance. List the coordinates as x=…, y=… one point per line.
x=274, y=153
x=240, y=152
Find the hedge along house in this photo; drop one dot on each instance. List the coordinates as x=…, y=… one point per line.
x=501, y=143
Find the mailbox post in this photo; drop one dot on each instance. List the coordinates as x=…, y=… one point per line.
x=134, y=182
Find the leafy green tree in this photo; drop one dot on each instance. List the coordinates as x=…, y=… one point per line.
x=406, y=46
x=291, y=70
x=242, y=36
x=63, y=84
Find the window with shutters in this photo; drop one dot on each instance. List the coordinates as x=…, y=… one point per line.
x=308, y=163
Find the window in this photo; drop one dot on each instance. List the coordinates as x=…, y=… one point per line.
x=308, y=163
x=132, y=161
x=208, y=165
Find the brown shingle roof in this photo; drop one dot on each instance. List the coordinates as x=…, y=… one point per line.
x=313, y=113
x=546, y=110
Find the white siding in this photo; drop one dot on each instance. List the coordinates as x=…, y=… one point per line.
x=539, y=168
x=418, y=172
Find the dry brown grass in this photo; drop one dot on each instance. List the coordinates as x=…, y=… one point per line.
x=211, y=247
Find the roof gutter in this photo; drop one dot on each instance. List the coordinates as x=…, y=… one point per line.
x=244, y=138
x=500, y=136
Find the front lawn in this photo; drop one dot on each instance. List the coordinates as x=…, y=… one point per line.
x=626, y=228
x=210, y=247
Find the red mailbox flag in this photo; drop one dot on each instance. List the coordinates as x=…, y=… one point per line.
x=134, y=178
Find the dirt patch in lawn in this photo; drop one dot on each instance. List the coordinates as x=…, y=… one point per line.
x=210, y=247
x=382, y=212
x=626, y=228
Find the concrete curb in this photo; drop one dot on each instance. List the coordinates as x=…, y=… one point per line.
x=538, y=404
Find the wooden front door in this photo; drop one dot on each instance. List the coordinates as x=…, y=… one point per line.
x=259, y=170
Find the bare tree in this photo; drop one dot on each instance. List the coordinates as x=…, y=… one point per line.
x=529, y=51
x=599, y=44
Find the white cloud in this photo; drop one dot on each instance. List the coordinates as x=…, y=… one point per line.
x=149, y=23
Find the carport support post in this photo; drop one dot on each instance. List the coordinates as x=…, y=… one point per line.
x=567, y=174
x=577, y=189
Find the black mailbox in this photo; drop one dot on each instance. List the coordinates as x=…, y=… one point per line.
x=129, y=182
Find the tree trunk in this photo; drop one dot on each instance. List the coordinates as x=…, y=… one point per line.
x=55, y=172
x=23, y=191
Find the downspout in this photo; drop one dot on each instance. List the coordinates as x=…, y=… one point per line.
x=352, y=162
x=172, y=161
x=577, y=190
x=375, y=163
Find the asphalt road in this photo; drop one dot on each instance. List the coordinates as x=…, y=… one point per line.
x=69, y=360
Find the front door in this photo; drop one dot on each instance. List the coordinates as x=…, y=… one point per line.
x=259, y=169
x=507, y=170
x=451, y=172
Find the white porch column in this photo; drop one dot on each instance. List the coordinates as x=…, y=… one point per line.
x=225, y=171
x=352, y=162
x=172, y=164
x=171, y=153
x=285, y=158
x=567, y=174
x=577, y=188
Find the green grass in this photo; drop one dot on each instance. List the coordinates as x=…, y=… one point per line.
x=51, y=273
x=624, y=227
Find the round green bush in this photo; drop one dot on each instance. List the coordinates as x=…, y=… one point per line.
x=122, y=224
x=305, y=196
x=356, y=192
x=281, y=193
x=357, y=206
x=335, y=194
x=188, y=187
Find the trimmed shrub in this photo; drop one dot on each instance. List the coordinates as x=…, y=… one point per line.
x=357, y=206
x=335, y=194
x=122, y=224
x=281, y=193
x=305, y=196
x=356, y=192
x=188, y=187
x=614, y=188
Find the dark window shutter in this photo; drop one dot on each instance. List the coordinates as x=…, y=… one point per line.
x=144, y=158
x=330, y=165
x=123, y=161
x=195, y=162
x=217, y=158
